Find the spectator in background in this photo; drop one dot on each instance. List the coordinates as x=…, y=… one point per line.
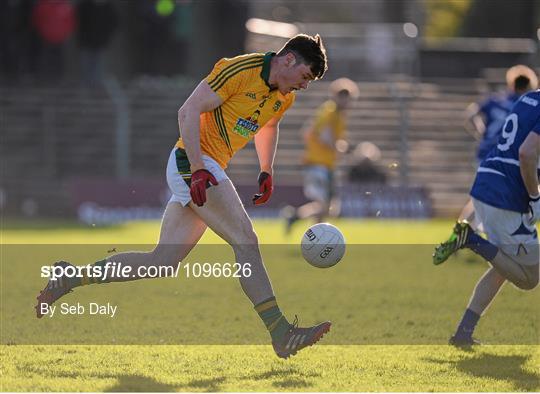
x=98, y=21
x=324, y=139
x=365, y=168
x=15, y=39
x=485, y=120
x=54, y=21
x=154, y=36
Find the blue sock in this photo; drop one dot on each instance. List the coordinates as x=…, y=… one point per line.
x=481, y=246
x=467, y=324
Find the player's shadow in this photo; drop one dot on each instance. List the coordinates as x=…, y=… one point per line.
x=509, y=368
x=207, y=385
x=133, y=383
x=130, y=383
x=289, y=378
x=499, y=367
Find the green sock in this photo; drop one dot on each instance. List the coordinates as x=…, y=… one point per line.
x=86, y=279
x=272, y=317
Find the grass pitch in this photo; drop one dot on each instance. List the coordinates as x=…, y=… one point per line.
x=392, y=313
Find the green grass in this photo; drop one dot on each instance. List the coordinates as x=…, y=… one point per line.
x=392, y=313
x=253, y=368
x=367, y=231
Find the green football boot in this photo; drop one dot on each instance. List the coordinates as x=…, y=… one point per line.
x=457, y=240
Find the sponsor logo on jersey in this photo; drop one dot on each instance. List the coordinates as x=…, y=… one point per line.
x=251, y=95
x=277, y=105
x=246, y=127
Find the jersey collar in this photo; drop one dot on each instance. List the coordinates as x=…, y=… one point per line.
x=265, y=73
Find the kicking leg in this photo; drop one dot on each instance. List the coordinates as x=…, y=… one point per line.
x=226, y=216
x=463, y=236
x=522, y=276
x=506, y=266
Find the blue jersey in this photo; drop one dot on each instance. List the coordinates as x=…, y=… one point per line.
x=495, y=110
x=498, y=179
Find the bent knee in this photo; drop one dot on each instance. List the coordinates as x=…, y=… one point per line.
x=245, y=235
x=528, y=284
x=248, y=238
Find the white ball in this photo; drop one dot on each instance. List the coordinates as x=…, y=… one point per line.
x=323, y=245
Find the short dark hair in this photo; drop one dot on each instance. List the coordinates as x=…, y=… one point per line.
x=309, y=50
x=521, y=83
x=521, y=78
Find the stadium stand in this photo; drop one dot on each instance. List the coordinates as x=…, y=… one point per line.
x=52, y=135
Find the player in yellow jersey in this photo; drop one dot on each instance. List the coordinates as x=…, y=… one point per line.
x=324, y=138
x=243, y=98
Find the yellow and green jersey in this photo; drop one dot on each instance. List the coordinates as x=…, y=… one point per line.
x=328, y=120
x=248, y=103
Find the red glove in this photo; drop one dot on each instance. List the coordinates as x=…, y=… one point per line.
x=265, y=188
x=200, y=181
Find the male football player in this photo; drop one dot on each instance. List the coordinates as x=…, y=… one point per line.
x=243, y=98
x=324, y=139
x=485, y=120
x=506, y=200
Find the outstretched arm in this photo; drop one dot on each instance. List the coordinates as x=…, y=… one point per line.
x=203, y=99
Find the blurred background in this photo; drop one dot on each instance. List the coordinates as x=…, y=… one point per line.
x=89, y=93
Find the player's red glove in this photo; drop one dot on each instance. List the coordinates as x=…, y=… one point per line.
x=265, y=189
x=200, y=181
